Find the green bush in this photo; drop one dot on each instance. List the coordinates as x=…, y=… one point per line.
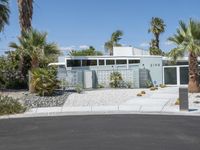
x=44, y=81
x=8, y=105
x=100, y=86
x=79, y=89
x=148, y=83
x=115, y=79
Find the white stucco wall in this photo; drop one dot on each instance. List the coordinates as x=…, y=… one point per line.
x=122, y=51
x=128, y=51
x=138, y=51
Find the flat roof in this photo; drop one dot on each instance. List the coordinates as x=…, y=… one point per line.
x=107, y=56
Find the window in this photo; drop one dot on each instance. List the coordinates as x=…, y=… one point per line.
x=121, y=61
x=184, y=75
x=133, y=61
x=89, y=62
x=170, y=75
x=101, y=62
x=73, y=63
x=110, y=62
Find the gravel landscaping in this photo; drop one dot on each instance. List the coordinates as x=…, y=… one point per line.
x=34, y=101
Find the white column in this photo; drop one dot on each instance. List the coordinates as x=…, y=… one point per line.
x=127, y=64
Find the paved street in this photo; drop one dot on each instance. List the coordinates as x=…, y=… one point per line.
x=109, y=132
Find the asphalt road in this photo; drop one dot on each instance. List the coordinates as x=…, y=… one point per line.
x=109, y=132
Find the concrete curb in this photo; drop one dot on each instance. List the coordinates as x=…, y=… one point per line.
x=97, y=110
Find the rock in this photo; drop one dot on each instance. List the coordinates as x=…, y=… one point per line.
x=33, y=101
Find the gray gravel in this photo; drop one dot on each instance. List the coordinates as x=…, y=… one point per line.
x=34, y=101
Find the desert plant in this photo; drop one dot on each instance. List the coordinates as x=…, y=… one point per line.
x=177, y=101
x=100, y=86
x=153, y=88
x=128, y=84
x=148, y=83
x=162, y=85
x=139, y=94
x=44, y=81
x=79, y=88
x=115, y=79
x=8, y=105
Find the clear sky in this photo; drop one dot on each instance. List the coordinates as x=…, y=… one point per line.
x=80, y=23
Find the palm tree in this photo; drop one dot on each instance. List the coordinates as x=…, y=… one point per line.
x=25, y=14
x=187, y=39
x=34, y=44
x=4, y=14
x=115, y=38
x=157, y=27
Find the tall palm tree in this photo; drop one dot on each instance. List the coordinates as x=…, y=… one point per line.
x=115, y=38
x=4, y=14
x=25, y=14
x=25, y=8
x=187, y=39
x=157, y=27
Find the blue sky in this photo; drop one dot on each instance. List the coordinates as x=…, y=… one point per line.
x=80, y=23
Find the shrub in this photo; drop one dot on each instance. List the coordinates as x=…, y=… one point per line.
x=8, y=105
x=153, y=88
x=143, y=92
x=79, y=89
x=148, y=83
x=128, y=84
x=139, y=94
x=100, y=86
x=44, y=81
x=115, y=79
x=177, y=101
x=162, y=85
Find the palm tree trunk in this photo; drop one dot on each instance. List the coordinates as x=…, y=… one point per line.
x=25, y=14
x=34, y=64
x=111, y=52
x=193, y=84
x=157, y=41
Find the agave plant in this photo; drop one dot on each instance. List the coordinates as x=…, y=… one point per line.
x=44, y=81
x=115, y=79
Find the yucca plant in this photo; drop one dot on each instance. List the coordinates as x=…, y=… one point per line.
x=44, y=81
